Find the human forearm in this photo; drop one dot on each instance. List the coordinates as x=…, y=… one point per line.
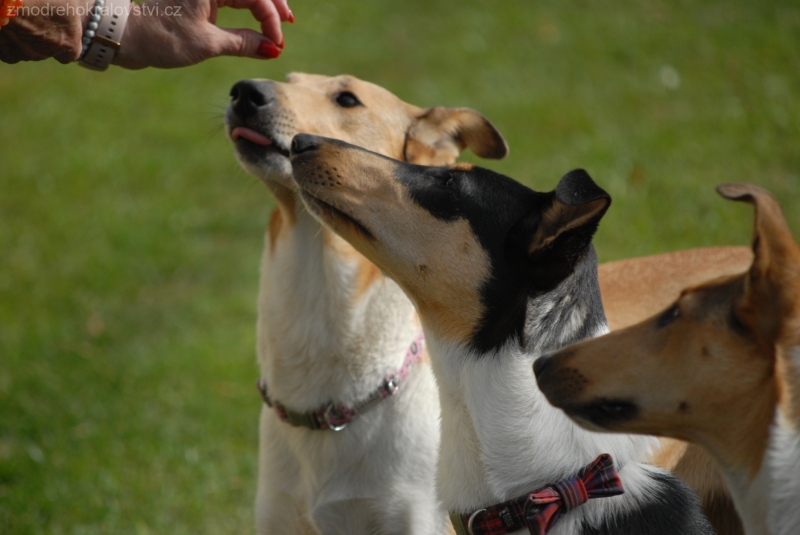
x=159, y=33
x=43, y=29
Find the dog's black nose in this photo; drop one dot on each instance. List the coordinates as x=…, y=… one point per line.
x=541, y=364
x=248, y=96
x=304, y=143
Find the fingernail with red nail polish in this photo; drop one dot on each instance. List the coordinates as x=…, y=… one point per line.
x=291, y=17
x=283, y=42
x=268, y=50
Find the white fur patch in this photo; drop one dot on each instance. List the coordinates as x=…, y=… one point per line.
x=317, y=344
x=501, y=438
x=784, y=464
x=783, y=459
x=750, y=496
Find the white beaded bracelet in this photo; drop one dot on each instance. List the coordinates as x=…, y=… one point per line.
x=89, y=32
x=103, y=35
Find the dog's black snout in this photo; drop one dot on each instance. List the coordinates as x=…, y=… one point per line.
x=541, y=364
x=248, y=96
x=304, y=143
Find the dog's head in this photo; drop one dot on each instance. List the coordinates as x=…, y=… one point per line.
x=704, y=369
x=469, y=246
x=263, y=116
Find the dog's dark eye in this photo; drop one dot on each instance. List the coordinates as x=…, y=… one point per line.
x=737, y=326
x=346, y=99
x=668, y=316
x=448, y=181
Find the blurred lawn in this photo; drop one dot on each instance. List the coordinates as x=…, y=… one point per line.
x=130, y=239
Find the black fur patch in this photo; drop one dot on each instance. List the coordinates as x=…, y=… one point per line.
x=605, y=412
x=674, y=509
x=737, y=326
x=503, y=214
x=492, y=204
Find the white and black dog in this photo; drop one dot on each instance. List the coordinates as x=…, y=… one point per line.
x=499, y=274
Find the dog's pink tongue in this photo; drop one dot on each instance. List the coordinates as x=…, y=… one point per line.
x=250, y=135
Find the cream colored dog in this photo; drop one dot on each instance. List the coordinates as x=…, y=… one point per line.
x=332, y=328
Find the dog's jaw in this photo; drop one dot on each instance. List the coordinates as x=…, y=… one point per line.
x=271, y=167
x=266, y=158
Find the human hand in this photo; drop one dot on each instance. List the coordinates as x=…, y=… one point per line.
x=56, y=34
x=178, y=33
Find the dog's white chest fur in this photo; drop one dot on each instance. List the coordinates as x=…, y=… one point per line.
x=317, y=344
x=783, y=460
x=770, y=503
x=501, y=438
x=314, y=340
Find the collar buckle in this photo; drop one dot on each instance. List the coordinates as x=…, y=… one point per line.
x=335, y=417
x=329, y=416
x=392, y=384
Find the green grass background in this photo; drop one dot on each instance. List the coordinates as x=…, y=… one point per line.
x=130, y=239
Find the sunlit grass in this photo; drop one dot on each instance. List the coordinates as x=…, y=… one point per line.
x=130, y=239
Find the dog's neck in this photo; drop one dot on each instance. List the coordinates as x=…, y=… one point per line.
x=500, y=436
x=754, y=456
x=783, y=455
x=764, y=484
x=783, y=463
x=759, y=452
x=330, y=324
x=750, y=494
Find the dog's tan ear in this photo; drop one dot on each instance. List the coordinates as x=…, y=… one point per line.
x=549, y=242
x=773, y=285
x=439, y=135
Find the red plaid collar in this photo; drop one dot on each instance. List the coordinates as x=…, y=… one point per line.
x=538, y=511
x=335, y=416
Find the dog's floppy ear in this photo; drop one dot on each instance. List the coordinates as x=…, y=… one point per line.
x=439, y=135
x=772, y=287
x=549, y=242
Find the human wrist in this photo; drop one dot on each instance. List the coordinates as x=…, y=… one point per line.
x=128, y=56
x=157, y=36
x=104, y=33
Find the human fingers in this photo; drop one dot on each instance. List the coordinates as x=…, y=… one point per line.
x=265, y=12
x=283, y=9
x=243, y=43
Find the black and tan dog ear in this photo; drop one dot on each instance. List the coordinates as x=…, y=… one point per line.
x=439, y=135
x=555, y=239
x=773, y=284
x=579, y=204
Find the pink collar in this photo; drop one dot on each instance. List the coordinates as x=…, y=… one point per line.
x=335, y=416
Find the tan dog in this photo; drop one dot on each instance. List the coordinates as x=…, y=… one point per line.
x=719, y=367
x=637, y=288
x=332, y=328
